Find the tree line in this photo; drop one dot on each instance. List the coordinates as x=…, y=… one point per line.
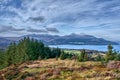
x=25, y=50
x=30, y=49
x=83, y=56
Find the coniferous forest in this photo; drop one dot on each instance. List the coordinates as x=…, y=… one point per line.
x=25, y=50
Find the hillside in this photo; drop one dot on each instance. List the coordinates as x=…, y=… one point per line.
x=4, y=42
x=74, y=39
x=52, y=69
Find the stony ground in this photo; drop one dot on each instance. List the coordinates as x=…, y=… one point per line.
x=52, y=69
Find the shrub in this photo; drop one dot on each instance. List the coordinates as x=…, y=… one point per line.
x=63, y=55
x=82, y=56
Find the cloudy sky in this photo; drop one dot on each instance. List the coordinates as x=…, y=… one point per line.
x=100, y=18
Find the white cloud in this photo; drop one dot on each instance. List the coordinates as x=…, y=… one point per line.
x=68, y=16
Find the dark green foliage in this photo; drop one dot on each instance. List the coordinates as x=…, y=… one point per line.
x=63, y=55
x=110, y=49
x=112, y=55
x=79, y=57
x=2, y=59
x=99, y=58
x=83, y=56
x=55, y=52
x=69, y=55
x=116, y=55
x=109, y=54
x=66, y=55
x=10, y=55
x=48, y=52
x=25, y=50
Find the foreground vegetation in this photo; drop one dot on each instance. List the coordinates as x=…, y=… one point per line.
x=52, y=69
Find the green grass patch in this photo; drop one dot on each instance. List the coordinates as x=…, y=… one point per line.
x=34, y=70
x=72, y=51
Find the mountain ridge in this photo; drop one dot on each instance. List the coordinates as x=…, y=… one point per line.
x=73, y=39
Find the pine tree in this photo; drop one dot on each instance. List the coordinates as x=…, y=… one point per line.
x=63, y=55
x=85, y=56
x=56, y=52
x=47, y=52
x=82, y=56
x=2, y=57
x=10, y=54
x=109, y=54
x=116, y=55
x=98, y=58
x=28, y=49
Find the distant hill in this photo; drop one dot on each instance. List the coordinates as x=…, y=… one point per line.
x=4, y=42
x=75, y=39
x=118, y=42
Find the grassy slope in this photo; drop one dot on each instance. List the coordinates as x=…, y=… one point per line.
x=72, y=51
x=59, y=70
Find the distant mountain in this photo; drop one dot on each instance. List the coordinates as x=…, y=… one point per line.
x=118, y=42
x=72, y=39
x=75, y=39
x=4, y=42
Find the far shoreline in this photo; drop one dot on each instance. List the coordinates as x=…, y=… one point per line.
x=98, y=48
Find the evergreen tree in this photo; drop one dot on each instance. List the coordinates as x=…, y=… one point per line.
x=98, y=58
x=85, y=55
x=47, y=52
x=82, y=56
x=28, y=49
x=1, y=59
x=10, y=54
x=63, y=55
x=109, y=54
x=116, y=55
x=69, y=55
x=79, y=57
x=21, y=52
x=55, y=52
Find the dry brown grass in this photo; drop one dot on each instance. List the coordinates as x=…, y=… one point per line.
x=52, y=69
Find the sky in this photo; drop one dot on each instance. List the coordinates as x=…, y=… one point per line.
x=100, y=18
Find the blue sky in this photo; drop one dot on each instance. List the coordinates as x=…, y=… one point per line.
x=100, y=18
